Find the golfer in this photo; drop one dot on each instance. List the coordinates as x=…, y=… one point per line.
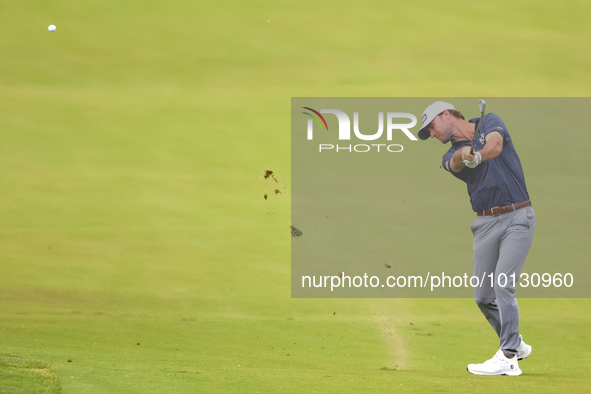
x=505, y=220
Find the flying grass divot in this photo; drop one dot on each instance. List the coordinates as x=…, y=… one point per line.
x=269, y=174
x=295, y=233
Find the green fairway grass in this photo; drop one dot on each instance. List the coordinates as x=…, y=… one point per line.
x=26, y=376
x=135, y=240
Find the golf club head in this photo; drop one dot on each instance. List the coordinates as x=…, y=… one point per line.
x=482, y=105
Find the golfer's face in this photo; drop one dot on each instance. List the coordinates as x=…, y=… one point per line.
x=440, y=129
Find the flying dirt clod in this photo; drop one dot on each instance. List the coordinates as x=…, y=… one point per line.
x=269, y=173
x=295, y=232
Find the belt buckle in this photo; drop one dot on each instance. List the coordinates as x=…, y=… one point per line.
x=492, y=211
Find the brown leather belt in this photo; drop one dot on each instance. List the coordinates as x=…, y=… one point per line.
x=496, y=211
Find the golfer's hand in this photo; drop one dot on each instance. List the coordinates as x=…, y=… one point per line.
x=471, y=161
x=465, y=153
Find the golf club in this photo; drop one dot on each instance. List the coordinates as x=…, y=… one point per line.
x=482, y=107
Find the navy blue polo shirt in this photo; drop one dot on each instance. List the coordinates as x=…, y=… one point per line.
x=496, y=182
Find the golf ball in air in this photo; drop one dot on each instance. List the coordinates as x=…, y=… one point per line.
x=51, y=28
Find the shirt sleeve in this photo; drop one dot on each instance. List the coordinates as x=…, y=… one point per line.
x=492, y=123
x=446, y=162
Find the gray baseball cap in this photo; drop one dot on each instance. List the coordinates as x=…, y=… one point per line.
x=430, y=113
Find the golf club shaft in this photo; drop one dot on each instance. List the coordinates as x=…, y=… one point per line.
x=482, y=105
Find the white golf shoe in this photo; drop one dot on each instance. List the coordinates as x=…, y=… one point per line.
x=523, y=350
x=498, y=365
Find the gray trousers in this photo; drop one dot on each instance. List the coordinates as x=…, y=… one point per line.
x=501, y=244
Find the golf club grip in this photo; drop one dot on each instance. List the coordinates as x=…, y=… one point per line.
x=476, y=133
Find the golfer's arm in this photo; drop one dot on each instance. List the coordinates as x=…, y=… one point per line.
x=456, y=163
x=493, y=146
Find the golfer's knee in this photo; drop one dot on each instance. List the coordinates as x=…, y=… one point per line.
x=505, y=291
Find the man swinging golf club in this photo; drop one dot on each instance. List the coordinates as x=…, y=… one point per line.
x=483, y=156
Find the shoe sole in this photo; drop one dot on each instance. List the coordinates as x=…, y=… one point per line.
x=513, y=373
